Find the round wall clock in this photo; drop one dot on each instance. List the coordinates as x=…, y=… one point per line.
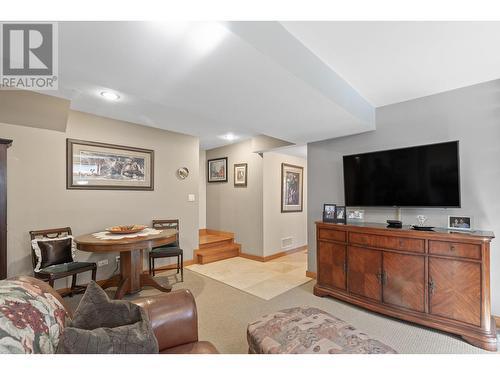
x=183, y=173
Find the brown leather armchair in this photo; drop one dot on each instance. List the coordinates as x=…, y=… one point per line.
x=173, y=317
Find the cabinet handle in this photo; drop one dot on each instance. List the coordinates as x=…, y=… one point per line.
x=379, y=277
x=384, y=278
x=345, y=266
x=452, y=248
x=432, y=287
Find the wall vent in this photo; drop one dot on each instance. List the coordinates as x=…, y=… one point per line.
x=286, y=242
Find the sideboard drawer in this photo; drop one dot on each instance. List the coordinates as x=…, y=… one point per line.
x=388, y=242
x=456, y=249
x=331, y=234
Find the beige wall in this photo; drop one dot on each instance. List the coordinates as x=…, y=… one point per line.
x=277, y=225
x=254, y=213
x=202, y=191
x=37, y=195
x=238, y=209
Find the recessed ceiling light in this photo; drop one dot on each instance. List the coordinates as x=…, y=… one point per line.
x=229, y=137
x=109, y=95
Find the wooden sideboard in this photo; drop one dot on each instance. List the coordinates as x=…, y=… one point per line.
x=439, y=279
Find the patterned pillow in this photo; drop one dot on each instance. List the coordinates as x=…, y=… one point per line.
x=49, y=251
x=30, y=321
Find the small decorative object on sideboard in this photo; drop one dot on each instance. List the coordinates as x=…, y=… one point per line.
x=354, y=214
x=217, y=170
x=460, y=222
x=340, y=214
x=329, y=213
x=421, y=219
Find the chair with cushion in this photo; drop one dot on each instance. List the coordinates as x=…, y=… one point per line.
x=53, y=253
x=167, y=251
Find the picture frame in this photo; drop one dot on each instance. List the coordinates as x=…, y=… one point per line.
x=456, y=222
x=104, y=166
x=291, y=188
x=240, y=174
x=329, y=212
x=340, y=215
x=355, y=214
x=217, y=170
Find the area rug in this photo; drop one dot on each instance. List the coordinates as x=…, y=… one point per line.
x=265, y=280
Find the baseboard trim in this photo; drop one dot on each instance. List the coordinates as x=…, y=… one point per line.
x=497, y=320
x=273, y=256
x=310, y=274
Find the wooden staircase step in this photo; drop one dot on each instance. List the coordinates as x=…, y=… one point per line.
x=214, y=254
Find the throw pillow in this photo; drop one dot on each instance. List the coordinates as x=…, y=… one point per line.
x=50, y=251
x=104, y=326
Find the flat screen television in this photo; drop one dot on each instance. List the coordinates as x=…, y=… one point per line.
x=422, y=176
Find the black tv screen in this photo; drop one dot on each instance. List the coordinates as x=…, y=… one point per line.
x=422, y=176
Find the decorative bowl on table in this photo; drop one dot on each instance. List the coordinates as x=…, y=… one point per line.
x=126, y=229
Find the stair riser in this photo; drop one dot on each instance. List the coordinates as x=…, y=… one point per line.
x=211, y=245
x=204, y=259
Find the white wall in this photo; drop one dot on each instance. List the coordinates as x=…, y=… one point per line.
x=38, y=198
x=470, y=115
x=202, y=190
x=278, y=225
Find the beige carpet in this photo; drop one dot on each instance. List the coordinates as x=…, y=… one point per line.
x=224, y=312
x=265, y=280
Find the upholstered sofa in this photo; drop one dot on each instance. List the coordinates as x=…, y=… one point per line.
x=172, y=315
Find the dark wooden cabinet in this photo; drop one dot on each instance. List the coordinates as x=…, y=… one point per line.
x=455, y=290
x=4, y=144
x=404, y=281
x=333, y=263
x=440, y=279
x=364, y=272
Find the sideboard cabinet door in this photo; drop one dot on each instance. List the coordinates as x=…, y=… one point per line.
x=455, y=290
x=404, y=280
x=365, y=272
x=332, y=265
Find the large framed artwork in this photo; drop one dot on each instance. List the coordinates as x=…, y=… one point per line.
x=217, y=170
x=291, y=188
x=103, y=166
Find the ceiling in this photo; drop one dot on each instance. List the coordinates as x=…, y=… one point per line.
x=391, y=62
x=297, y=81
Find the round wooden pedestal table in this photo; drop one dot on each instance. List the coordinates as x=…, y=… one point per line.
x=131, y=278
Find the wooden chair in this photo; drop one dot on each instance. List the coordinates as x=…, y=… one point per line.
x=167, y=251
x=59, y=271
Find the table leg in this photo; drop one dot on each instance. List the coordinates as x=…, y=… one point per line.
x=147, y=280
x=122, y=288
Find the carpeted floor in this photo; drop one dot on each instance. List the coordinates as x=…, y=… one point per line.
x=224, y=313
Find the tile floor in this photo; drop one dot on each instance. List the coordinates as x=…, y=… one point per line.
x=265, y=280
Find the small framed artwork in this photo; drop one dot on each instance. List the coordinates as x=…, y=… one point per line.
x=103, y=166
x=217, y=170
x=291, y=188
x=340, y=214
x=329, y=213
x=460, y=222
x=355, y=215
x=240, y=175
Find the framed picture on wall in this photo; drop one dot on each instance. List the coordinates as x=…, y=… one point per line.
x=217, y=170
x=240, y=175
x=291, y=188
x=103, y=166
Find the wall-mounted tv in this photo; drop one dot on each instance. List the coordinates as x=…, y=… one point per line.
x=422, y=176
